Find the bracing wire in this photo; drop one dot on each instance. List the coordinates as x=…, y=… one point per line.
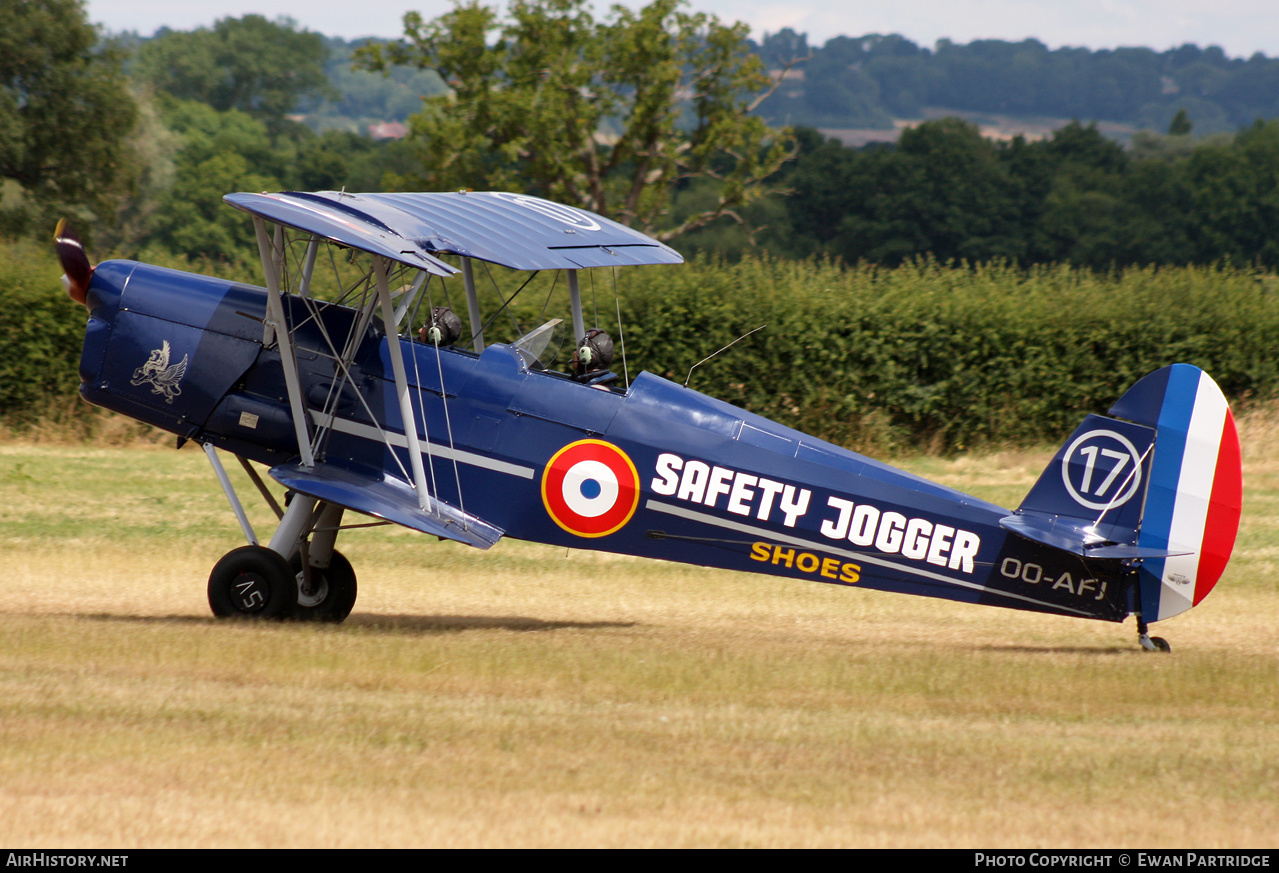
x=342, y=360
x=1135, y=471
x=421, y=405
x=493, y=318
x=448, y=298
x=554, y=282
x=417, y=304
x=448, y=428
x=594, y=303
x=519, y=331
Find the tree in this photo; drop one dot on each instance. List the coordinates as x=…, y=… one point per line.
x=261, y=67
x=1234, y=190
x=943, y=190
x=612, y=115
x=839, y=92
x=65, y=115
x=1181, y=124
x=217, y=152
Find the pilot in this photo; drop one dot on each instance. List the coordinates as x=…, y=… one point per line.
x=443, y=328
x=592, y=358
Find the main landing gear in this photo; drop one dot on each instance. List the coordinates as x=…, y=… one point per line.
x=298, y=576
x=255, y=582
x=252, y=582
x=329, y=593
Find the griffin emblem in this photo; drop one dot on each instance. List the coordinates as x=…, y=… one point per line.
x=157, y=372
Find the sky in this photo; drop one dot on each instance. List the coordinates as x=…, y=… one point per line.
x=1240, y=27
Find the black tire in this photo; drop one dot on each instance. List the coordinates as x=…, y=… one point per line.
x=335, y=594
x=252, y=582
x=1161, y=644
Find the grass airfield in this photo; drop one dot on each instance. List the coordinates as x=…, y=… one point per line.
x=533, y=697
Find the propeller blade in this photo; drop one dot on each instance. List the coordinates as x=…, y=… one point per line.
x=75, y=263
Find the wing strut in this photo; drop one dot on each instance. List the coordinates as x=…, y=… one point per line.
x=575, y=301
x=308, y=266
x=401, y=384
x=225, y=481
x=473, y=305
x=276, y=320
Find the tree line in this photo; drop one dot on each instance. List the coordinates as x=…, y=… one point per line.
x=867, y=81
x=1075, y=197
x=655, y=117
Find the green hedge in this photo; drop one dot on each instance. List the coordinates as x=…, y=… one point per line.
x=938, y=357
x=41, y=329
x=921, y=356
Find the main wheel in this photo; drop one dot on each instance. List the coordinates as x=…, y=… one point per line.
x=333, y=594
x=252, y=582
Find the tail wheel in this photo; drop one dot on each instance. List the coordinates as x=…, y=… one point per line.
x=252, y=582
x=333, y=590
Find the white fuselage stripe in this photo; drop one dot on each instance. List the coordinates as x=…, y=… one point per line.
x=380, y=435
x=772, y=536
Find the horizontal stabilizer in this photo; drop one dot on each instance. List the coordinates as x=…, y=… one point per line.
x=388, y=499
x=1077, y=538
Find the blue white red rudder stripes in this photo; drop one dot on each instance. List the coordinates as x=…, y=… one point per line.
x=1196, y=486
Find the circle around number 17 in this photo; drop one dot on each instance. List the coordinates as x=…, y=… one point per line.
x=1101, y=469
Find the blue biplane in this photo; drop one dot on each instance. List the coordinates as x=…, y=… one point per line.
x=439, y=431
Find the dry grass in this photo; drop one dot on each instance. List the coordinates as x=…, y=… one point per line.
x=69, y=421
x=525, y=697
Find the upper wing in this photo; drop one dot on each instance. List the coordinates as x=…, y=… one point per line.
x=513, y=230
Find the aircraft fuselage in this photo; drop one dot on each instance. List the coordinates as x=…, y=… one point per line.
x=655, y=470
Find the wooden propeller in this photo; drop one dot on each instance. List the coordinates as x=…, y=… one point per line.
x=77, y=271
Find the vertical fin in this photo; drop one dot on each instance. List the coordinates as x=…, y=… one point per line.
x=1097, y=480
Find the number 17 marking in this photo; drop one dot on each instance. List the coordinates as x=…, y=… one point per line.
x=1091, y=452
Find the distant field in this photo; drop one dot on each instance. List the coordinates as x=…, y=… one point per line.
x=529, y=697
x=992, y=126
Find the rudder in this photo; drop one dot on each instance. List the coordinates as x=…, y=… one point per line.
x=1195, y=494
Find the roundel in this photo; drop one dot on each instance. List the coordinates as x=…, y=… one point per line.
x=590, y=488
